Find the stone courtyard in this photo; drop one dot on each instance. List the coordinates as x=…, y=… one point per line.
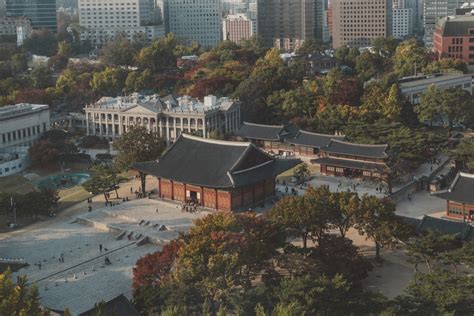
x=83, y=278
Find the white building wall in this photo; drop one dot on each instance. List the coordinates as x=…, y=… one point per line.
x=402, y=25
x=196, y=21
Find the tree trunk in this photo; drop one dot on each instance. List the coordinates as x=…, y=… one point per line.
x=143, y=181
x=305, y=243
x=377, y=251
x=116, y=193
x=105, y=196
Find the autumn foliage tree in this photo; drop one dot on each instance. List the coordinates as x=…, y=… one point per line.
x=155, y=268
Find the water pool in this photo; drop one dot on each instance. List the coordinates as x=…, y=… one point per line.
x=64, y=181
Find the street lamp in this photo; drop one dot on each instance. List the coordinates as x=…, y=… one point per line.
x=13, y=206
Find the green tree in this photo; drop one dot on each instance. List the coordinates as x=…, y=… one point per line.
x=445, y=65
x=437, y=293
x=41, y=42
x=138, y=145
x=120, y=52
x=302, y=171
x=41, y=77
x=409, y=57
x=224, y=252
x=451, y=105
x=385, y=46
x=159, y=55
x=346, y=209
x=19, y=63
x=464, y=153
x=104, y=179
x=432, y=249
x=109, y=82
x=393, y=105
x=19, y=299
x=369, y=65
x=377, y=220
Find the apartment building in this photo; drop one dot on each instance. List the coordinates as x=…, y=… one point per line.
x=237, y=27
x=169, y=116
x=357, y=22
x=103, y=20
x=195, y=20
x=20, y=126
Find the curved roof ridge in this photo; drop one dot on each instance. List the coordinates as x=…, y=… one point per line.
x=253, y=167
x=321, y=134
x=359, y=144
x=466, y=174
x=215, y=141
x=263, y=125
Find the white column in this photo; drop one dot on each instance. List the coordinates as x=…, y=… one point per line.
x=87, y=123
x=174, y=128
x=167, y=128
x=100, y=124
x=160, y=131
x=189, y=125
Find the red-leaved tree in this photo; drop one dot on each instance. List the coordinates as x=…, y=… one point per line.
x=155, y=268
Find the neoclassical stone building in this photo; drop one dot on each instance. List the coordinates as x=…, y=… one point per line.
x=169, y=116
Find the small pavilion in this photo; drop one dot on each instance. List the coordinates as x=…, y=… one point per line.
x=459, y=197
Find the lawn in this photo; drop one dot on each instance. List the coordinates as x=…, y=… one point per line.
x=15, y=184
x=69, y=197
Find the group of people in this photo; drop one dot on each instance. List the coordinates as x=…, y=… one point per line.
x=190, y=207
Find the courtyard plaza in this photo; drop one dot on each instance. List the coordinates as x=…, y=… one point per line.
x=64, y=255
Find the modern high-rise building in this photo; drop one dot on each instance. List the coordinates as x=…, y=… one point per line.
x=103, y=20
x=42, y=13
x=433, y=10
x=237, y=27
x=417, y=7
x=195, y=20
x=357, y=22
x=285, y=24
x=402, y=22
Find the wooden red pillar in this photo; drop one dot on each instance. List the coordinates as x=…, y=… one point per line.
x=185, y=197
x=159, y=187
x=172, y=190
x=202, y=196
x=217, y=199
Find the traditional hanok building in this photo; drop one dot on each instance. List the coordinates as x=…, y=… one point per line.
x=310, y=144
x=459, y=197
x=221, y=175
x=285, y=139
x=268, y=137
x=340, y=158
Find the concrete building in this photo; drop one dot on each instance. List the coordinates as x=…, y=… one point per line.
x=103, y=20
x=413, y=87
x=18, y=28
x=42, y=13
x=169, y=116
x=285, y=24
x=454, y=38
x=20, y=126
x=196, y=20
x=237, y=27
x=417, y=7
x=402, y=22
x=357, y=22
x=433, y=10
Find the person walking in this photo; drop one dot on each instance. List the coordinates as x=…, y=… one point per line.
x=100, y=247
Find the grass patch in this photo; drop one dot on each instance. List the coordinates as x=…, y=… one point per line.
x=71, y=196
x=15, y=184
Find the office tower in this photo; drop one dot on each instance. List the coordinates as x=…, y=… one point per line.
x=433, y=10
x=3, y=7
x=357, y=22
x=417, y=7
x=42, y=13
x=196, y=20
x=103, y=20
x=285, y=24
x=237, y=27
x=402, y=22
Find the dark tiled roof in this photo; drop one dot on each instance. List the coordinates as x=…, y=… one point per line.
x=363, y=150
x=456, y=26
x=266, y=132
x=313, y=139
x=217, y=164
x=354, y=164
x=462, y=230
x=119, y=306
x=461, y=190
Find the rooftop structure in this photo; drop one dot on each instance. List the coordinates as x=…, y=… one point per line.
x=413, y=87
x=41, y=13
x=237, y=27
x=362, y=150
x=169, y=115
x=18, y=28
x=220, y=175
x=313, y=140
x=460, y=197
x=266, y=132
x=433, y=10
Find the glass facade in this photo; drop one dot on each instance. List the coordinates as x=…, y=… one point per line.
x=42, y=13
